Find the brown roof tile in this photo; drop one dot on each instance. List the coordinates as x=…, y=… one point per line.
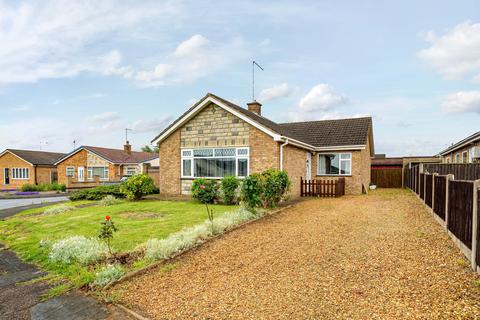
x=120, y=156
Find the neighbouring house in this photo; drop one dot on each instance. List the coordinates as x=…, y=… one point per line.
x=88, y=166
x=464, y=151
x=389, y=172
x=19, y=167
x=216, y=138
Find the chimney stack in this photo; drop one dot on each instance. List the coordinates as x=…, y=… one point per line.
x=255, y=107
x=127, y=148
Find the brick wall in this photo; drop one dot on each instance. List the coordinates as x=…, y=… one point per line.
x=214, y=127
x=10, y=161
x=264, y=152
x=294, y=162
x=464, y=158
x=170, y=164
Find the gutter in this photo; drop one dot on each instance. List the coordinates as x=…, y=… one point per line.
x=281, y=152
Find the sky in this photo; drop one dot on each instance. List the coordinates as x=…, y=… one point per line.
x=86, y=70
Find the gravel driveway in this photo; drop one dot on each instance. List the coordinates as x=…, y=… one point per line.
x=380, y=256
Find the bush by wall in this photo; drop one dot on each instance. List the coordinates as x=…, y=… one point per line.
x=205, y=190
x=265, y=189
x=97, y=193
x=138, y=186
x=43, y=187
x=229, y=186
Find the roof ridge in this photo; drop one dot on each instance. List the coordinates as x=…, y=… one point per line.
x=325, y=120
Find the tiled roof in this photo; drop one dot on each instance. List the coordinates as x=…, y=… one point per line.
x=323, y=133
x=37, y=157
x=120, y=156
x=327, y=133
x=472, y=138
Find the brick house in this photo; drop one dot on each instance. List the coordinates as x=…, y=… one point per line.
x=464, y=151
x=19, y=167
x=215, y=138
x=89, y=166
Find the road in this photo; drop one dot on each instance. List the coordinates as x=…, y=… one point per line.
x=12, y=203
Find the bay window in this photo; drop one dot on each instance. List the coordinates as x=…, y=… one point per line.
x=101, y=172
x=334, y=164
x=214, y=162
x=20, y=173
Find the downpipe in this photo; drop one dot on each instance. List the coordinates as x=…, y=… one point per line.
x=281, y=153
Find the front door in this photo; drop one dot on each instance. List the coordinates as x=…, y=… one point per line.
x=81, y=174
x=308, y=168
x=6, y=177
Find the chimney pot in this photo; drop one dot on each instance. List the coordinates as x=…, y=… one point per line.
x=127, y=148
x=255, y=107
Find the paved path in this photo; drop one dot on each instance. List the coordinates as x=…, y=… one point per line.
x=12, y=203
x=380, y=256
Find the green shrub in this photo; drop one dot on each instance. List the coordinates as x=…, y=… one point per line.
x=97, y=193
x=77, y=249
x=43, y=187
x=108, y=274
x=108, y=200
x=252, y=189
x=138, y=186
x=265, y=189
x=205, y=190
x=229, y=186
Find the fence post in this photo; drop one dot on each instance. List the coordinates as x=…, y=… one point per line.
x=476, y=184
x=433, y=193
x=448, y=178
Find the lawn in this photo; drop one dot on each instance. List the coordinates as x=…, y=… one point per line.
x=136, y=221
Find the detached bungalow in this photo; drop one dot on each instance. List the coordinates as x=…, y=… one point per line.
x=215, y=138
x=19, y=167
x=464, y=151
x=89, y=166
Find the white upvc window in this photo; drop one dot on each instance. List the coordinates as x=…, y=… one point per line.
x=20, y=173
x=70, y=172
x=458, y=158
x=130, y=170
x=101, y=172
x=214, y=162
x=334, y=164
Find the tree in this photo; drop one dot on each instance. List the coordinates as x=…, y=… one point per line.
x=149, y=149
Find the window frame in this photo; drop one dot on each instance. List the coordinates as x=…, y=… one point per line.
x=71, y=168
x=91, y=177
x=18, y=173
x=192, y=158
x=350, y=160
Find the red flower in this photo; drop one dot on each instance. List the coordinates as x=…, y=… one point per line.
x=107, y=218
x=202, y=187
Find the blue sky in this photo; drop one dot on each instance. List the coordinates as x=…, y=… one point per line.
x=85, y=71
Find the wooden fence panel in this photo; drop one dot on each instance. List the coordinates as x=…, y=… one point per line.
x=465, y=171
x=421, y=186
x=322, y=188
x=460, y=210
x=386, y=177
x=439, y=198
x=428, y=189
x=477, y=259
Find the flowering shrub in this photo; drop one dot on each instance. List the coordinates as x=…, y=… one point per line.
x=138, y=186
x=108, y=274
x=229, y=186
x=205, y=190
x=265, y=189
x=109, y=200
x=106, y=231
x=77, y=249
x=61, y=208
x=189, y=237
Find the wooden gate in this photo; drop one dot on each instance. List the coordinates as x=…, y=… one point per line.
x=322, y=188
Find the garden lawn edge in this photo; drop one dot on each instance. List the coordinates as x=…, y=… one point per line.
x=155, y=264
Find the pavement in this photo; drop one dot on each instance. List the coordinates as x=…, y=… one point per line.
x=12, y=203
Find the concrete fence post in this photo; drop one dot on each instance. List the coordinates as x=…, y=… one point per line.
x=447, y=182
x=476, y=185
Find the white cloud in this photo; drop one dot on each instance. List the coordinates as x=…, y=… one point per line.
x=103, y=117
x=153, y=126
x=456, y=54
x=462, y=101
x=195, y=58
x=275, y=92
x=53, y=39
x=322, y=97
